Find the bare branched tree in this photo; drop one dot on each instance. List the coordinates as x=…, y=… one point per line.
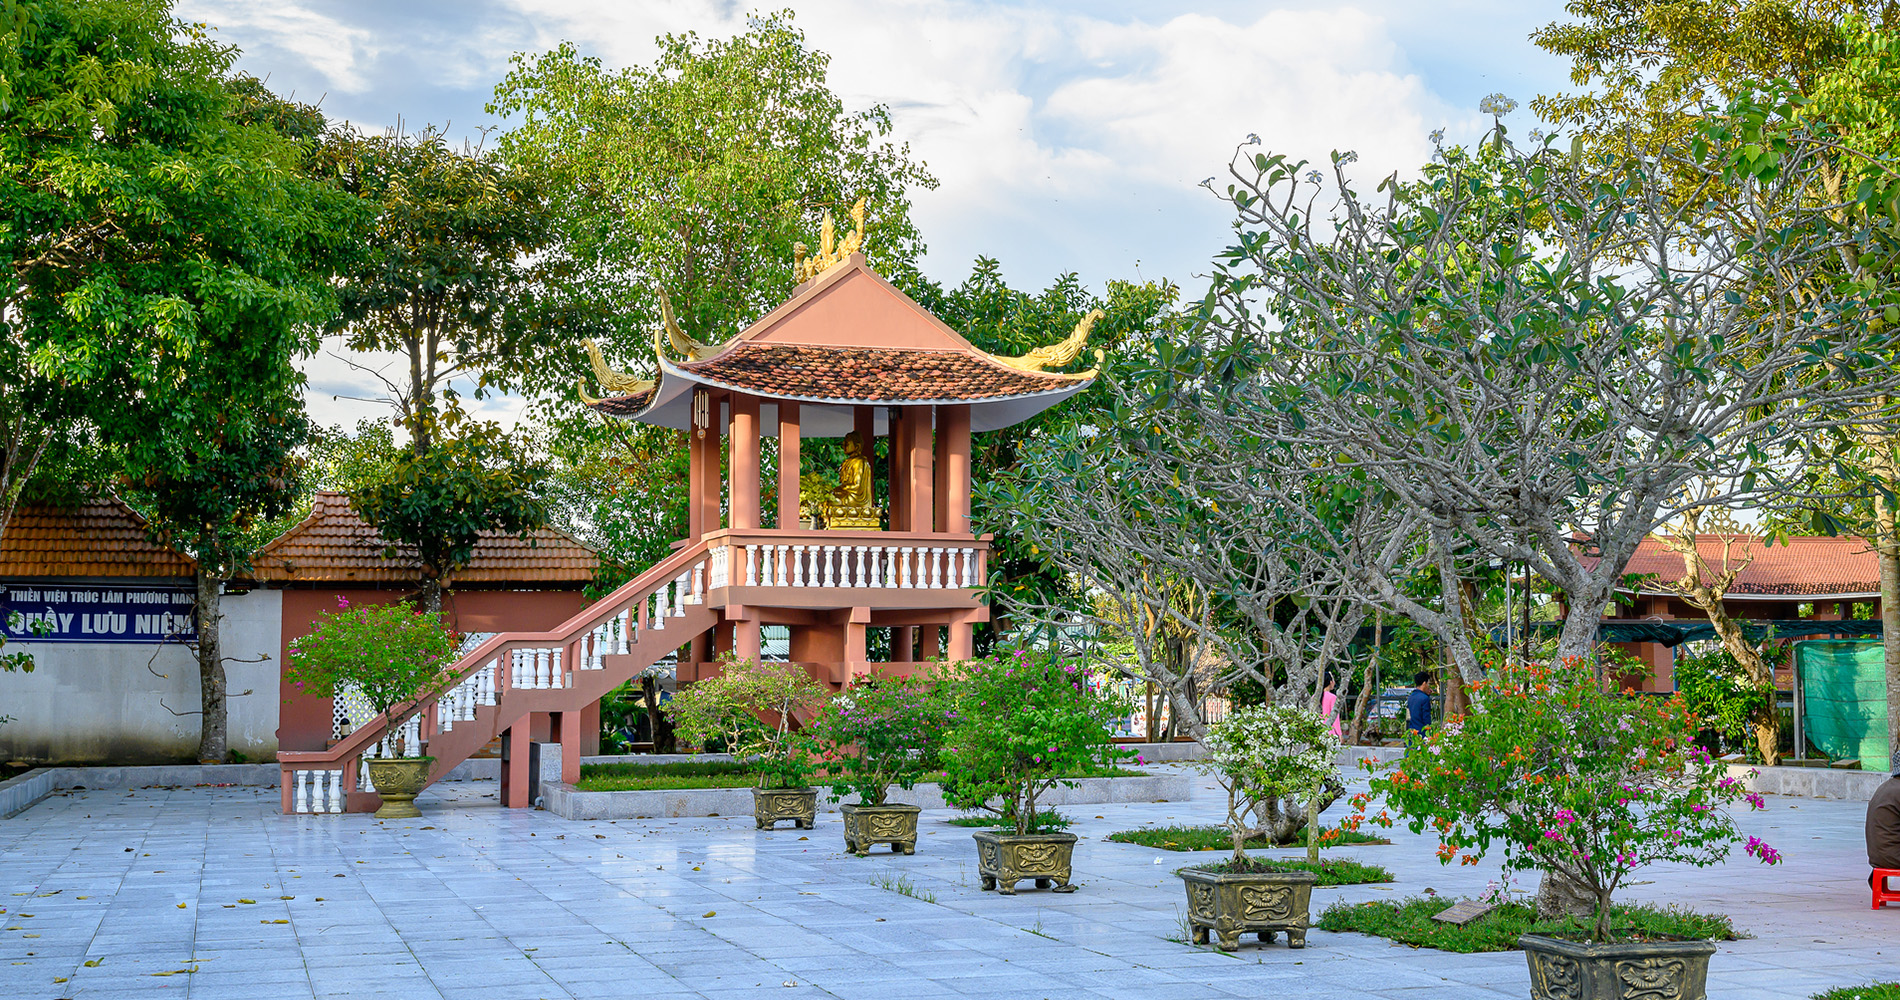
x=1533, y=353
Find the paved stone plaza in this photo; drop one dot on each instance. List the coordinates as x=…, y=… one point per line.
x=210, y=893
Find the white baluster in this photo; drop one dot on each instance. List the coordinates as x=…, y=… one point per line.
x=903, y=568
x=336, y=791
x=798, y=565
x=679, y=596
x=936, y=567
x=862, y=580
x=699, y=584
x=968, y=575
x=889, y=576
x=560, y=673
x=752, y=565
x=779, y=554
x=655, y=608
x=300, y=802
x=831, y=554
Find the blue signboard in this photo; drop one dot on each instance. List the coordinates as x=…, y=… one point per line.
x=95, y=613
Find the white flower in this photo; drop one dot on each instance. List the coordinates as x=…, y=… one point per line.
x=1537, y=135
x=1346, y=157
x=1253, y=138
x=1438, y=136
x=1497, y=105
x=1314, y=176
x=1208, y=183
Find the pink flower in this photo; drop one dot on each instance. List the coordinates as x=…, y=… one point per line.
x=342, y=602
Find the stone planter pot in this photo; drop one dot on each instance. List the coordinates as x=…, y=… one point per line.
x=399, y=780
x=891, y=824
x=1658, y=970
x=1003, y=859
x=800, y=805
x=1264, y=903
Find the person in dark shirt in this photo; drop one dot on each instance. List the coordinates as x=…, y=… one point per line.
x=1418, y=704
x=1883, y=824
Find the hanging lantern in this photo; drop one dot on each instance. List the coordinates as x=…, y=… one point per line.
x=702, y=412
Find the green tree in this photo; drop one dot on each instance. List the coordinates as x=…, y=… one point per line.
x=156, y=223
x=219, y=503
x=696, y=175
x=441, y=501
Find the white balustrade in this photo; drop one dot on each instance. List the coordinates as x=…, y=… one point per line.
x=319, y=791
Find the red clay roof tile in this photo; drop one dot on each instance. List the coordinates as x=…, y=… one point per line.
x=1804, y=567
x=334, y=545
x=101, y=537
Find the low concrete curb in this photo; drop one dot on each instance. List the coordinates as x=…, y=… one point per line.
x=568, y=803
x=1809, y=782
x=17, y=793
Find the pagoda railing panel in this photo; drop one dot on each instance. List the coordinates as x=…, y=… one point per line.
x=846, y=560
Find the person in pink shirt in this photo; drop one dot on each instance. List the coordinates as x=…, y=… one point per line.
x=1329, y=707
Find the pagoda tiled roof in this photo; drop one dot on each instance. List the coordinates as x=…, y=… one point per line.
x=848, y=337
x=101, y=537
x=869, y=374
x=335, y=545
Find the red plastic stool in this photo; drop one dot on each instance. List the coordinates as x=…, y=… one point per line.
x=1882, y=894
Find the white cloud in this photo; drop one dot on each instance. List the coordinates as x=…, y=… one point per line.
x=1063, y=141
x=334, y=49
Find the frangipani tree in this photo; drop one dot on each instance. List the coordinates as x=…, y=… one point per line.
x=1532, y=352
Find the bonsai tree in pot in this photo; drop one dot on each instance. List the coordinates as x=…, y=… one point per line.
x=1587, y=786
x=753, y=709
x=880, y=732
x=1263, y=755
x=1025, y=723
x=394, y=654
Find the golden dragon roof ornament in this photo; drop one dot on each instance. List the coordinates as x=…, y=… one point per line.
x=611, y=381
x=831, y=251
x=1059, y=353
x=687, y=347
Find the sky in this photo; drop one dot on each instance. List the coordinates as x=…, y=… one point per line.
x=1066, y=136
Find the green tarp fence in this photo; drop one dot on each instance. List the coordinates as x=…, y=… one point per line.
x=1843, y=685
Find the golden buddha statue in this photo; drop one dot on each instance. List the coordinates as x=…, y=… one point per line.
x=850, y=504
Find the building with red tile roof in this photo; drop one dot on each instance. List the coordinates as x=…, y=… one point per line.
x=101, y=537
x=1805, y=567
x=334, y=545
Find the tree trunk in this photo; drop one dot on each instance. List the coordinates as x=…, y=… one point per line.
x=1767, y=722
x=659, y=726
x=1558, y=895
x=428, y=596
x=213, y=744
x=1887, y=545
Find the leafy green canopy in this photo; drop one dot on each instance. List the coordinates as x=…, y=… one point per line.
x=882, y=731
x=696, y=175
x=752, y=710
x=1024, y=719
x=1570, y=778
x=392, y=653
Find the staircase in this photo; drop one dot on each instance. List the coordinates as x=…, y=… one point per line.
x=503, y=684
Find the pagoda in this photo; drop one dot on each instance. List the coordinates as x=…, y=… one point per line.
x=847, y=356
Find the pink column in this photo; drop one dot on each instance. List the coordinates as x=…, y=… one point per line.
x=788, y=441
x=710, y=480
x=514, y=778
x=745, y=461
x=745, y=633
x=901, y=650
x=695, y=484
x=899, y=473
x=953, y=447
x=922, y=476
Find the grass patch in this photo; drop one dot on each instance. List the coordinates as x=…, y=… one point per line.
x=1331, y=871
x=630, y=777
x=1215, y=838
x=657, y=777
x=902, y=885
x=1409, y=921
x=1871, y=991
x=1047, y=821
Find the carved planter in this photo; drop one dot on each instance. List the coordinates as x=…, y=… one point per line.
x=399, y=780
x=893, y=824
x=1263, y=903
x=1657, y=970
x=1003, y=859
x=800, y=805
